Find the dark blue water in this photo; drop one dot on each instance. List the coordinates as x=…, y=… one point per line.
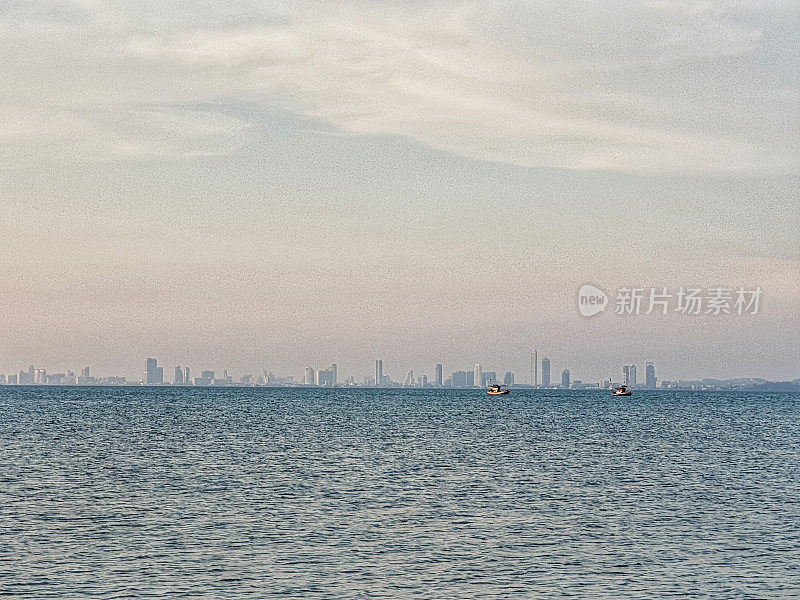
x=266, y=493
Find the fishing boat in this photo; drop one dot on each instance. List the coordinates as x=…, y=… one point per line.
x=497, y=390
x=622, y=391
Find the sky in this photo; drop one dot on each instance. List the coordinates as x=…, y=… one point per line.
x=247, y=186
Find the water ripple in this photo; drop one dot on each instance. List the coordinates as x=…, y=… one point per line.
x=267, y=493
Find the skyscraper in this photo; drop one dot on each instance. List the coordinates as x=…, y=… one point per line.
x=509, y=378
x=458, y=379
x=629, y=375
x=26, y=377
x=150, y=365
x=650, y=376
x=153, y=374
x=535, y=368
x=478, y=380
x=186, y=379
x=334, y=368
x=545, y=372
x=565, y=379
x=308, y=377
x=379, y=372
x=439, y=378
x=325, y=377
x=178, y=375
x=462, y=379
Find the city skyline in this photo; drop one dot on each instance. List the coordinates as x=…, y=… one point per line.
x=329, y=377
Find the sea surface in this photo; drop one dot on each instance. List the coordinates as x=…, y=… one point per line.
x=324, y=494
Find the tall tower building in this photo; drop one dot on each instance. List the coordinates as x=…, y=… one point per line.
x=308, y=377
x=379, y=372
x=186, y=379
x=545, y=372
x=409, y=380
x=629, y=375
x=325, y=377
x=178, y=375
x=650, y=376
x=535, y=368
x=335, y=370
x=459, y=379
x=565, y=379
x=478, y=380
x=439, y=375
x=153, y=374
x=150, y=365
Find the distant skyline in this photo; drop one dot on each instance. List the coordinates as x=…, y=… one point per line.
x=281, y=184
x=154, y=371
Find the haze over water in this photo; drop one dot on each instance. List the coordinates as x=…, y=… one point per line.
x=295, y=493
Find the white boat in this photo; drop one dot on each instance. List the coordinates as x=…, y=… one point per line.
x=497, y=390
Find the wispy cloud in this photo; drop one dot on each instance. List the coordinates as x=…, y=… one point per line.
x=638, y=86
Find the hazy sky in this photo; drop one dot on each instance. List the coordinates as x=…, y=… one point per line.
x=252, y=185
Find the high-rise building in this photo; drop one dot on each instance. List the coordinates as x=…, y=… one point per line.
x=326, y=377
x=150, y=365
x=409, y=380
x=489, y=376
x=478, y=376
x=565, y=379
x=206, y=378
x=86, y=379
x=650, y=376
x=308, y=377
x=509, y=378
x=27, y=377
x=379, y=372
x=462, y=378
x=334, y=368
x=629, y=375
x=186, y=379
x=535, y=368
x=545, y=372
x=178, y=375
x=439, y=377
x=153, y=374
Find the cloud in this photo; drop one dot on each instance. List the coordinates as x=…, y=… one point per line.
x=37, y=136
x=631, y=86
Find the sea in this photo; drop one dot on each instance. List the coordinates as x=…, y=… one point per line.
x=159, y=492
